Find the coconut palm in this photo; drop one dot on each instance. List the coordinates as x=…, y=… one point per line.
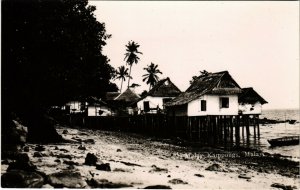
x=121, y=74
x=151, y=75
x=131, y=56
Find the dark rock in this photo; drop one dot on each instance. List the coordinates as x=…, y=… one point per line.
x=216, y=167
x=65, y=132
x=158, y=169
x=21, y=179
x=90, y=159
x=81, y=147
x=57, y=160
x=66, y=179
x=104, y=183
x=37, y=154
x=89, y=141
x=130, y=164
x=169, y=176
x=199, y=175
x=71, y=163
x=26, y=149
x=103, y=167
x=177, y=181
x=119, y=150
x=282, y=186
x=22, y=163
x=158, y=187
x=64, y=156
x=56, y=148
x=6, y=162
x=244, y=176
x=39, y=148
x=64, y=150
x=120, y=170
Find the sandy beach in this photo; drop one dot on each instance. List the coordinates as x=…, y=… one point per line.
x=135, y=162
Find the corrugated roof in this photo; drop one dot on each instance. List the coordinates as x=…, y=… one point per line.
x=249, y=95
x=211, y=83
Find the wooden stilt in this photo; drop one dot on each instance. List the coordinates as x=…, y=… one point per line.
x=237, y=131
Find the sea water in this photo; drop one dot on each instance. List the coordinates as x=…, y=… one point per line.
x=269, y=131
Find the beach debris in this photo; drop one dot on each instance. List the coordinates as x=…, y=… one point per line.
x=119, y=150
x=158, y=187
x=21, y=179
x=39, y=148
x=244, y=176
x=103, y=167
x=121, y=170
x=64, y=150
x=130, y=164
x=199, y=175
x=81, y=147
x=282, y=186
x=37, y=154
x=22, y=163
x=90, y=159
x=66, y=179
x=216, y=167
x=104, y=183
x=169, y=176
x=158, y=169
x=176, y=181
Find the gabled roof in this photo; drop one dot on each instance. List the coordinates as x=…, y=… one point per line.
x=212, y=83
x=164, y=88
x=249, y=95
x=128, y=96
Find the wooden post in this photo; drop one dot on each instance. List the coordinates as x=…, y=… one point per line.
x=231, y=130
x=225, y=130
x=254, y=126
x=237, y=131
x=258, y=132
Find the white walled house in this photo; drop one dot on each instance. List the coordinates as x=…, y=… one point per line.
x=210, y=94
x=97, y=107
x=156, y=98
x=250, y=102
x=73, y=107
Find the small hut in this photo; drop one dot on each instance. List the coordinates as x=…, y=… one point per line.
x=127, y=101
x=162, y=92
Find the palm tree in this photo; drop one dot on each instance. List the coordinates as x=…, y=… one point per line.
x=121, y=74
x=131, y=56
x=151, y=75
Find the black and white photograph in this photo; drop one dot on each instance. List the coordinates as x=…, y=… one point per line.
x=150, y=94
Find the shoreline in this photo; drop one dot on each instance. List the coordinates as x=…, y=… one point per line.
x=140, y=161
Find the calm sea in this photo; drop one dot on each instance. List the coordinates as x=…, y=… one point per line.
x=270, y=131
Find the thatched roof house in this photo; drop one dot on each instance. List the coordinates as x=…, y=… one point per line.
x=162, y=92
x=250, y=102
x=128, y=96
x=211, y=94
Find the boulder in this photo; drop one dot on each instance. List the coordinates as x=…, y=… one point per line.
x=244, y=176
x=199, y=175
x=177, y=181
x=158, y=187
x=103, y=167
x=282, y=186
x=104, y=183
x=216, y=167
x=90, y=159
x=81, y=147
x=21, y=179
x=158, y=169
x=22, y=163
x=67, y=179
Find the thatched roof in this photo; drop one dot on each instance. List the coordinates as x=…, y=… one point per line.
x=127, y=96
x=164, y=88
x=250, y=96
x=212, y=83
x=111, y=95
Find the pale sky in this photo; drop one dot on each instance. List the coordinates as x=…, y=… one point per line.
x=257, y=42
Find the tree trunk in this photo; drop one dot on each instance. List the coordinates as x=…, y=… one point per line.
x=121, y=85
x=129, y=76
